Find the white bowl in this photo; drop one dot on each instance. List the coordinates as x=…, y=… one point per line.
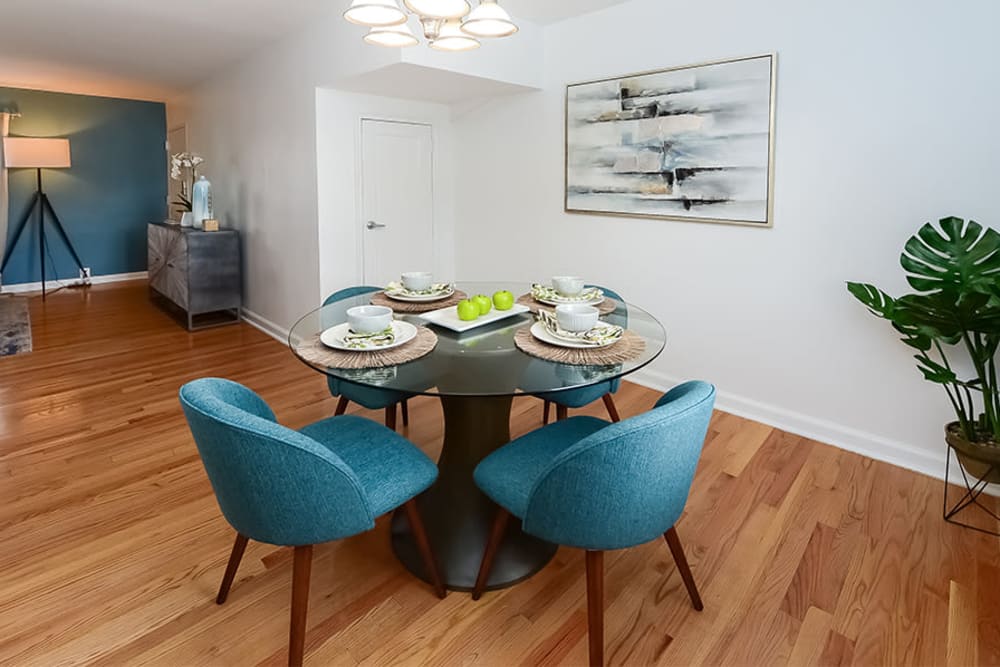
x=417, y=280
x=576, y=317
x=568, y=285
x=369, y=319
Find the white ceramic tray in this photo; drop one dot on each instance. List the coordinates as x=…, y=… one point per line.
x=448, y=317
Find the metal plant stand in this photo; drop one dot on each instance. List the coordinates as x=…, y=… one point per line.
x=971, y=497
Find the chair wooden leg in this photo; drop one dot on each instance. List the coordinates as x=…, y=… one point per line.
x=301, y=566
x=677, y=550
x=234, y=564
x=562, y=412
x=492, y=544
x=609, y=403
x=595, y=606
x=420, y=536
x=406, y=412
x=390, y=416
x=341, y=407
x=545, y=412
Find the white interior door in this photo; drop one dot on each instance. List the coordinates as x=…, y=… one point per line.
x=397, y=208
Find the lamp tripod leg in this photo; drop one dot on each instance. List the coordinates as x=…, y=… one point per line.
x=18, y=230
x=61, y=230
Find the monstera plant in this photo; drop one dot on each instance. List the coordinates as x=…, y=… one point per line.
x=955, y=270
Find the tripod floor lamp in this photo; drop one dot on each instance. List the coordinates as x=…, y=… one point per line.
x=38, y=153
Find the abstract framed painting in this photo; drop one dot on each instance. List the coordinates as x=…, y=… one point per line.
x=693, y=143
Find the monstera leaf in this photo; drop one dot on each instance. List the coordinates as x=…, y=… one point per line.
x=946, y=316
x=884, y=306
x=961, y=258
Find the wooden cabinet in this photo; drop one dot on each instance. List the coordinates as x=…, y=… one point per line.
x=197, y=271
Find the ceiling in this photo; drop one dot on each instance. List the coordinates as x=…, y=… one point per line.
x=153, y=49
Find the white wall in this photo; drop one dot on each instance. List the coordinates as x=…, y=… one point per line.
x=885, y=119
x=338, y=139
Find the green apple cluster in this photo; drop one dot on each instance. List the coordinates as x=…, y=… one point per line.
x=470, y=309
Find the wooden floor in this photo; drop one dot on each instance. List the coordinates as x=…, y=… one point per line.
x=112, y=546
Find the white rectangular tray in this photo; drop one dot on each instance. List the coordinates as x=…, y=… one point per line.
x=448, y=317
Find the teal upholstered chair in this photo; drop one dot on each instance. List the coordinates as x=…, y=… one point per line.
x=577, y=398
x=324, y=482
x=368, y=397
x=587, y=483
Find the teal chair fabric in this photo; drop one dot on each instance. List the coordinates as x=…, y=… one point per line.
x=577, y=398
x=327, y=481
x=587, y=483
x=368, y=397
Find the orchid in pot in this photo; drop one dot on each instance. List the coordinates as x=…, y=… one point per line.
x=184, y=168
x=955, y=312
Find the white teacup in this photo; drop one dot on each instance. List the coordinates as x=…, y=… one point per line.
x=576, y=317
x=369, y=319
x=568, y=285
x=417, y=280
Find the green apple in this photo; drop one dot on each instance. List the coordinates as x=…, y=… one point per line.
x=503, y=300
x=468, y=310
x=484, y=303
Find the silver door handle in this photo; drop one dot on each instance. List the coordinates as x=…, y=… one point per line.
x=374, y=225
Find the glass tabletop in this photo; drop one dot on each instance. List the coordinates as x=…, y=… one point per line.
x=483, y=361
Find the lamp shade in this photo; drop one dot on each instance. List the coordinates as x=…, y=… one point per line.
x=393, y=35
x=489, y=20
x=375, y=13
x=439, y=9
x=35, y=153
x=451, y=38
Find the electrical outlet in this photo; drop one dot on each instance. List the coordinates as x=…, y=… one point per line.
x=85, y=275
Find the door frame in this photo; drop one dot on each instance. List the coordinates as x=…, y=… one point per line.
x=359, y=171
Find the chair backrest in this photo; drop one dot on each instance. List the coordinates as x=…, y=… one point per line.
x=273, y=484
x=627, y=483
x=348, y=292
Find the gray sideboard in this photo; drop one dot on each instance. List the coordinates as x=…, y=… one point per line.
x=197, y=271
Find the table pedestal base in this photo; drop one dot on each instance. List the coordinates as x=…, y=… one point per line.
x=458, y=515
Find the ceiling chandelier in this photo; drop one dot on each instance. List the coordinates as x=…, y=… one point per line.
x=448, y=25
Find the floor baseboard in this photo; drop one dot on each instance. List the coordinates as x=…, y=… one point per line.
x=20, y=288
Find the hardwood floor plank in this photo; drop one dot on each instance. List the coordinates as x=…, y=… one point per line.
x=114, y=546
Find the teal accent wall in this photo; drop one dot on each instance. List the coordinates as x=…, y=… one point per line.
x=118, y=182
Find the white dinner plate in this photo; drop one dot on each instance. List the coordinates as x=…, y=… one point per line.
x=419, y=298
x=334, y=337
x=539, y=331
x=560, y=300
x=448, y=317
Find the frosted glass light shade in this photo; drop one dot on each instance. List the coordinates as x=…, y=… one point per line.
x=451, y=38
x=375, y=13
x=35, y=153
x=489, y=20
x=439, y=9
x=392, y=36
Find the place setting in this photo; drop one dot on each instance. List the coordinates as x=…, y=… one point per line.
x=416, y=292
x=370, y=338
x=566, y=290
x=574, y=334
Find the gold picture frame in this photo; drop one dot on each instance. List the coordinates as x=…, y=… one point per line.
x=642, y=188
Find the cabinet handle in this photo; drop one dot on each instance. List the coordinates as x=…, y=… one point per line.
x=170, y=264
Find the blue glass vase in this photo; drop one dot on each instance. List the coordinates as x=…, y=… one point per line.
x=201, y=201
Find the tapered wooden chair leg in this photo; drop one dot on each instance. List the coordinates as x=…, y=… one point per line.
x=609, y=403
x=420, y=536
x=341, y=407
x=677, y=550
x=301, y=567
x=406, y=412
x=492, y=544
x=545, y=412
x=390, y=416
x=562, y=412
x=595, y=607
x=234, y=564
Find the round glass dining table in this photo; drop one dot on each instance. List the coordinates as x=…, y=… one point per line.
x=475, y=374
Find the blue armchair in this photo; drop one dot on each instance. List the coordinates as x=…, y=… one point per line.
x=368, y=397
x=587, y=483
x=328, y=481
x=577, y=398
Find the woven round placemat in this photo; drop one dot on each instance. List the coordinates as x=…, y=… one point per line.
x=380, y=299
x=315, y=352
x=605, y=307
x=629, y=347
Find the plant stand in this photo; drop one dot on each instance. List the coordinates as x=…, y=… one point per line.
x=971, y=497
